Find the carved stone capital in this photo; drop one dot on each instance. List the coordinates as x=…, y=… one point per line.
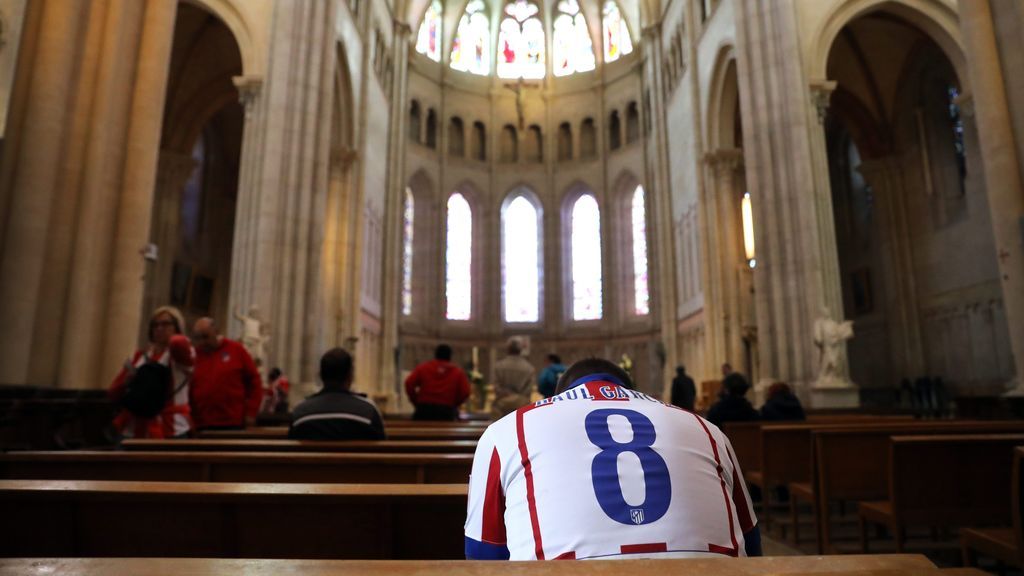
x=249, y=89
x=821, y=95
x=725, y=161
x=401, y=27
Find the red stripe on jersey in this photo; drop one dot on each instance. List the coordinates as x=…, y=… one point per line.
x=739, y=498
x=571, y=555
x=725, y=494
x=528, y=472
x=493, y=529
x=723, y=550
x=643, y=548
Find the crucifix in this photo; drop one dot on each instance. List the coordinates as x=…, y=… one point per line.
x=518, y=89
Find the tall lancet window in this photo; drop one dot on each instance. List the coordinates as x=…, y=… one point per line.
x=641, y=289
x=586, y=259
x=407, y=231
x=573, y=49
x=428, y=41
x=459, y=259
x=520, y=259
x=471, y=46
x=616, y=33
x=521, y=41
x=192, y=196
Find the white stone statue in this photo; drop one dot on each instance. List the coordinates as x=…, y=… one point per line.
x=830, y=337
x=255, y=334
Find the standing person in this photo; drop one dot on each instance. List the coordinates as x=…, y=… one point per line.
x=782, y=404
x=275, y=395
x=549, y=482
x=732, y=405
x=335, y=412
x=550, y=375
x=226, y=387
x=153, y=387
x=684, y=391
x=437, y=388
x=513, y=380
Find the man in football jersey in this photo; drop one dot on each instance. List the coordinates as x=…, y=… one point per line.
x=600, y=470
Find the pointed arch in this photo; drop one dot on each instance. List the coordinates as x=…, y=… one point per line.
x=581, y=224
x=615, y=35
x=471, y=44
x=522, y=255
x=572, y=47
x=429, y=37
x=521, y=41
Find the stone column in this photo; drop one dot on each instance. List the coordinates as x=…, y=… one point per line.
x=723, y=301
x=1002, y=170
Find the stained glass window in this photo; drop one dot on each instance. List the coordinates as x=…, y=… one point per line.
x=641, y=292
x=616, y=33
x=428, y=41
x=957, y=124
x=586, y=259
x=520, y=274
x=459, y=259
x=470, y=48
x=192, y=196
x=573, y=49
x=521, y=42
x=407, y=231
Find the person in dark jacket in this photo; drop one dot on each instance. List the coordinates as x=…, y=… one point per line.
x=684, y=391
x=437, y=388
x=782, y=404
x=336, y=413
x=733, y=405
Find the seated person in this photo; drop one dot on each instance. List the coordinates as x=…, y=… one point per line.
x=336, y=413
x=782, y=404
x=732, y=405
x=437, y=388
x=548, y=481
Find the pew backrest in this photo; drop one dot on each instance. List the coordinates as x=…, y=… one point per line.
x=380, y=446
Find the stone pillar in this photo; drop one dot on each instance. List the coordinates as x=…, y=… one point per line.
x=724, y=240
x=78, y=182
x=1002, y=170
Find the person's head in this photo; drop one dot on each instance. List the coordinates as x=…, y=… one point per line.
x=336, y=369
x=554, y=359
x=735, y=384
x=727, y=369
x=681, y=370
x=779, y=390
x=443, y=352
x=514, y=346
x=205, y=333
x=590, y=367
x=274, y=374
x=166, y=321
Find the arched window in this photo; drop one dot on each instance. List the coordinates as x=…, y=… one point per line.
x=641, y=288
x=616, y=32
x=192, y=196
x=456, y=138
x=414, y=121
x=471, y=46
x=521, y=42
x=407, y=239
x=479, y=141
x=614, y=131
x=431, y=128
x=534, y=144
x=573, y=49
x=956, y=124
x=564, y=142
x=428, y=41
x=459, y=259
x=509, y=144
x=520, y=259
x=632, y=123
x=588, y=139
x=585, y=239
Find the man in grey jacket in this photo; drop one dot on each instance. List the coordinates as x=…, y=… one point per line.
x=513, y=380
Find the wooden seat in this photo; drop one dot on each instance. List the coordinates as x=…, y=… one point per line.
x=377, y=446
x=231, y=520
x=397, y=433
x=800, y=492
x=1005, y=544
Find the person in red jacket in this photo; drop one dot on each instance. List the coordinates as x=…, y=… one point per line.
x=169, y=347
x=226, y=386
x=437, y=388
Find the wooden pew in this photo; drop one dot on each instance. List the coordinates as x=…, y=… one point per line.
x=231, y=520
x=1005, y=544
x=397, y=433
x=380, y=446
x=944, y=481
x=390, y=423
x=887, y=565
x=282, y=467
x=838, y=475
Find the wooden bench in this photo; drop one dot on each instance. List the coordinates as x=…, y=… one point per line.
x=944, y=481
x=397, y=433
x=851, y=463
x=1005, y=544
x=231, y=520
x=379, y=446
x=283, y=467
x=888, y=565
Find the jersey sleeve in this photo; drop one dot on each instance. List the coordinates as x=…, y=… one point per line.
x=740, y=494
x=485, y=516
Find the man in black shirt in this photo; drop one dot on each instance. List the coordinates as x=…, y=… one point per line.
x=336, y=413
x=684, y=391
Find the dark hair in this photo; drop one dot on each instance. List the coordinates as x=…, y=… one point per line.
x=275, y=372
x=735, y=384
x=589, y=366
x=779, y=389
x=336, y=366
x=443, y=352
x=554, y=359
x=681, y=369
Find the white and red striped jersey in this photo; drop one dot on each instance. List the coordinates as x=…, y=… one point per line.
x=601, y=471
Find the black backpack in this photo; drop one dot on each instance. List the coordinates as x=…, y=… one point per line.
x=147, y=391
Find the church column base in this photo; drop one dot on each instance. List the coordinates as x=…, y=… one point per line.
x=835, y=397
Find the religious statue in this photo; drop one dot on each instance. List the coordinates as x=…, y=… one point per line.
x=255, y=334
x=830, y=337
x=626, y=364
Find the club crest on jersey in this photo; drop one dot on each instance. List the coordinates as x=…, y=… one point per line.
x=636, y=515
